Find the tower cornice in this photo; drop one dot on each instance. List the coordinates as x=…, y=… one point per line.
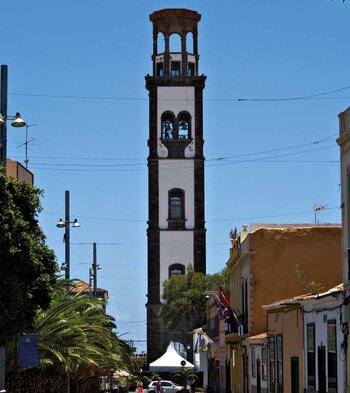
x=194, y=81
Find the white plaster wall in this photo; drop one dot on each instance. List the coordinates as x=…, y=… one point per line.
x=176, y=174
x=175, y=56
x=258, y=355
x=191, y=58
x=314, y=312
x=345, y=169
x=176, y=99
x=175, y=247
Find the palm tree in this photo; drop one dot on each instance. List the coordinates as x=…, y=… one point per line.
x=76, y=340
x=75, y=334
x=183, y=375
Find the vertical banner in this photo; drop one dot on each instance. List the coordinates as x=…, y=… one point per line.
x=27, y=347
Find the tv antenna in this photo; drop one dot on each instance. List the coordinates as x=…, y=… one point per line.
x=317, y=209
x=27, y=142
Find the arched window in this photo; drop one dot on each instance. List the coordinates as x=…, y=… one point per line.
x=184, y=126
x=176, y=204
x=160, y=43
x=176, y=269
x=175, y=43
x=189, y=42
x=167, y=126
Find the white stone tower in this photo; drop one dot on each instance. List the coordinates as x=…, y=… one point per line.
x=176, y=226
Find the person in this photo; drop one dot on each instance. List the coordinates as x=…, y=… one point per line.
x=139, y=386
x=159, y=387
x=193, y=384
x=188, y=385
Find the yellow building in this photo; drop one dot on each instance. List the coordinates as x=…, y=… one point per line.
x=263, y=264
x=18, y=171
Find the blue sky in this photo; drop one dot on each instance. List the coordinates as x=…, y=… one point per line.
x=76, y=69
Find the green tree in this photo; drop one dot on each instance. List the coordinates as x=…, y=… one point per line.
x=185, y=298
x=307, y=286
x=183, y=375
x=28, y=266
x=221, y=279
x=77, y=341
x=76, y=336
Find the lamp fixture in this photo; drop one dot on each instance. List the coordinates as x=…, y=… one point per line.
x=18, y=121
x=60, y=224
x=64, y=266
x=76, y=224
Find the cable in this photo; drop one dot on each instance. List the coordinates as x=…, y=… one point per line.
x=298, y=98
x=210, y=220
x=170, y=164
x=326, y=139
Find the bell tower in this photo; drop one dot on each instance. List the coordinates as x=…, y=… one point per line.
x=176, y=225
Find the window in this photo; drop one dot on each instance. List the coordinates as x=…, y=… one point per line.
x=175, y=43
x=160, y=69
x=279, y=339
x=176, y=205
x=184, y=126
x=160, y=43
x=348, y=221
x=189, y=42
x=253, y=362
x=190, y=69
x=272, y=353
x=167, y=126
x=176, y=269
x=263, y=364
x=179, y=128
x=175, y=68
x=332, y=355
x=310, y=345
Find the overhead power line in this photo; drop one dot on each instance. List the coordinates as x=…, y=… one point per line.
x=210, y=220
x=218, y=161
x=317, y=96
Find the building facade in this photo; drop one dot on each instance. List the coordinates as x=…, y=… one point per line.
x=344, y=143
x=263, y=264
x=176, y=226
x=324, y=341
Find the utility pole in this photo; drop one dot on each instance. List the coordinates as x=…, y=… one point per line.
x=3, y=111
x=94, y=267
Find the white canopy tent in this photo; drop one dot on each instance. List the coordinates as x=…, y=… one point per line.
x=170, y=361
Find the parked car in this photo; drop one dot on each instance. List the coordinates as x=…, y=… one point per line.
x=168, y=387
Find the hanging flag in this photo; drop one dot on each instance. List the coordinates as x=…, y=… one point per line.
x=228, y=312
x=202, y=342
x=196, y=347
x=223, y=305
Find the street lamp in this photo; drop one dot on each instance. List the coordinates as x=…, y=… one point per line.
x=17, y=121
x=66, y=225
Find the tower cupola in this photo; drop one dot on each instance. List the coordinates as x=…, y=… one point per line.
x=175, y=42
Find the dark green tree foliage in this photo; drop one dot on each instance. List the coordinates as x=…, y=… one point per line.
x=185, y=296
x=28, y=266
x=76, y=336
x=220, y=279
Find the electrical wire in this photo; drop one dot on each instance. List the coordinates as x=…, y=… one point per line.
x=210, y=220
x=268, y=99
